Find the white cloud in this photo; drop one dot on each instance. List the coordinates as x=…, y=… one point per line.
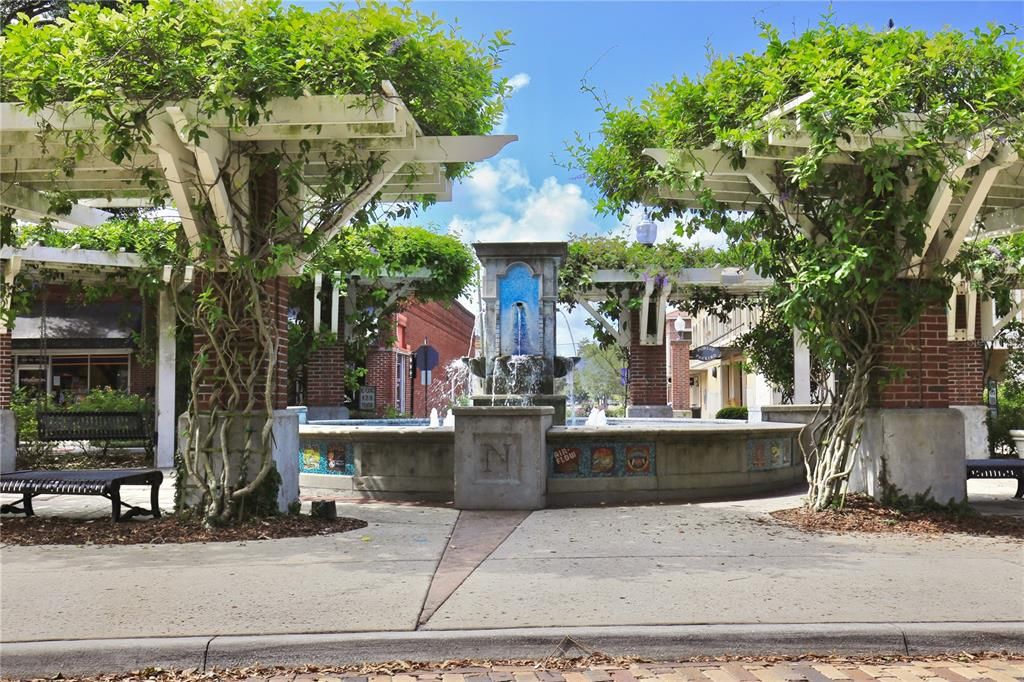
x=511, y=208
x=514, y=84
x=518, y=82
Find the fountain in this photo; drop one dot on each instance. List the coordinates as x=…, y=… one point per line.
x=511, y=449
x=520, y=294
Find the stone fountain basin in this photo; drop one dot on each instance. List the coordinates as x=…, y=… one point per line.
x=688, y=460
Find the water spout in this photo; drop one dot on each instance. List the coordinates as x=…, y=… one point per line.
x=597, y=418
x=433, y=418
x=449, y=419
x=520, y=328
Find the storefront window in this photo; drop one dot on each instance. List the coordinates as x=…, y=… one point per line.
x=72, y=376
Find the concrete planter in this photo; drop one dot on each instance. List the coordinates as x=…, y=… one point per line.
x=1018, y=440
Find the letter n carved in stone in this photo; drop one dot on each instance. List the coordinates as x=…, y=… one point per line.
x=497, y=458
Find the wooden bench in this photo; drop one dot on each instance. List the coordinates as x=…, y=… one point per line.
x=96, y=426
x=998, y=468
x=104, y=482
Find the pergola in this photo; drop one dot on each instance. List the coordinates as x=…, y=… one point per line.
x=656, y=293
x=989, y=165
x=32, y=163
x=414, y=163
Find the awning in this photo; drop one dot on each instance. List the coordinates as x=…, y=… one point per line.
x=98, y=325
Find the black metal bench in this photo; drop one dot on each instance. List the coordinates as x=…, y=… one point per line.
x=998, y=468
x=104, y=482
x=96, y=426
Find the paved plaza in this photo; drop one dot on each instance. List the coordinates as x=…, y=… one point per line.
x=428, y=582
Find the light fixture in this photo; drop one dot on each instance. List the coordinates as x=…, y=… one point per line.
x=646, y=232
x=680, y=325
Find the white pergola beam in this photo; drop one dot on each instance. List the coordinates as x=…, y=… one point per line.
x=945, y=248
x=51, y=255
x=33, y=206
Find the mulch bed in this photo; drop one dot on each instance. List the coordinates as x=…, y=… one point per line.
x=41, y=530
x=863, y=515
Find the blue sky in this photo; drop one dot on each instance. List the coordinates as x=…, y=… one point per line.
x=621, y=48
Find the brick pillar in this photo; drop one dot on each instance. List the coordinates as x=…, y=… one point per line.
x=325, y=383
x=648, y=371
x=6, y=370
x=924, y=352
x=966, y=373
x=680, y=375
x=380, y=374
x=275, y=303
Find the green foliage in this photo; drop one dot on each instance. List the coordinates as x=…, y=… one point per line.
x=226, y=63
x=598, y=376
x=36, y=454
x=108, y=399
x=155, y=241
x=845, y=236
x=1010, y=414
x=732, y=412
x=233, y=57
x=862, y=81
x=372, y=253
x=660, y=262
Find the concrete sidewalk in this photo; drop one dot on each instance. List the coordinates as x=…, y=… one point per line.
x=713, y=577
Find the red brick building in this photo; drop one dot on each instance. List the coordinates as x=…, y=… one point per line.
x=85, y=346
x=449, y=330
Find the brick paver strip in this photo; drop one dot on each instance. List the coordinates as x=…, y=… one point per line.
x=830, y=671
x=998, y=675
x=857, y=675
x=808, y=673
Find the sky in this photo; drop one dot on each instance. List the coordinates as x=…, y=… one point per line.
x=528, y=192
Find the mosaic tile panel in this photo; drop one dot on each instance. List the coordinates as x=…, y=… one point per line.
x=326, y=457
x=599, y=460
x=764, y=454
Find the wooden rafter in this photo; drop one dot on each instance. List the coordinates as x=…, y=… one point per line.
x=381, y=125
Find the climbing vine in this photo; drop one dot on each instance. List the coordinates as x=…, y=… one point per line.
x=660, y=263
x=849, y=259
x=229, y=61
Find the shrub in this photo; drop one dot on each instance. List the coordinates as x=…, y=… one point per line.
x=109, y=400
x=732, y=412
x=1010, y=416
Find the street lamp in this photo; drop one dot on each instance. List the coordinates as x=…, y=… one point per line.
x=646, y=232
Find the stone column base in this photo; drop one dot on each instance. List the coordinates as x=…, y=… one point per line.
x=922, y=451
x=649, y=411
x=285, y=452
x=319, y=412
x=8, y=441
x=501, y=457
x=975, y=430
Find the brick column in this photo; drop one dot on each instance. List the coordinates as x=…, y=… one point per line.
x=6, y=370
x=648, y=371
x=966, y=373
x=924, y=352
x=325, y=382
x=275, y=303
x=380, y=374
x=680, y=375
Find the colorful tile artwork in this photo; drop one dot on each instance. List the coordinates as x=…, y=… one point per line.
x=326, y=458
x=601, y=459
x=769, y=453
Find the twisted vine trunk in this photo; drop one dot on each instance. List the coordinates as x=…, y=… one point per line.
x=229, y=439
x=837, y=437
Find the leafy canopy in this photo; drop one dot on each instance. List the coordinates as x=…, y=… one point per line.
x=235, y=56
x=867, y=214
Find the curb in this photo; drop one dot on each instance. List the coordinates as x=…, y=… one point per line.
x=86, y=657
